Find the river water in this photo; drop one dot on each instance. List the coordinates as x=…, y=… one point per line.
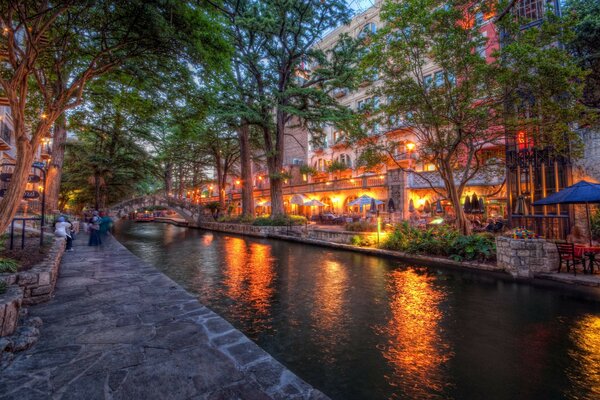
x=362, y=327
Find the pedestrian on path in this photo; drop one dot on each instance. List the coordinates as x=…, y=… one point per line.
x=94, y=227
x=106, y=223
x=62, y=228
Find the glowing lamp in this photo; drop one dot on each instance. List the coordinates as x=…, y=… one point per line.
x=410, y=146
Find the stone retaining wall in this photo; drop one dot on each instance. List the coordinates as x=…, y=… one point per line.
x=10, y=304
x=343, y=237
x=526, y=258
x=38, y=283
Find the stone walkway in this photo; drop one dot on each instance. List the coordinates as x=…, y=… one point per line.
x=119, y=329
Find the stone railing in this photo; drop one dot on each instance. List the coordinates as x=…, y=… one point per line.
x=525, y=258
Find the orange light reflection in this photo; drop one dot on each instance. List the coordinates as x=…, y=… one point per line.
x=415, y=349
x=586, y=379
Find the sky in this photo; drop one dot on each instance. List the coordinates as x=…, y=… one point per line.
x=360, y=5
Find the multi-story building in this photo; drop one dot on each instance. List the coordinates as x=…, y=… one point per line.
x=405, y=182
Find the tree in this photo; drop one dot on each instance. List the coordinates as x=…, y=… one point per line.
x=454, y=113
x=585, y=45
x=275, y=44
x=54, y=49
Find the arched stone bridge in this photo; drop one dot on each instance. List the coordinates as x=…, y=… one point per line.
x=192, y=213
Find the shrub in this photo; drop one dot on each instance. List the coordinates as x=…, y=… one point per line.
x=358, y=240
x=360, y=226
x=8, y=265
x=480, y=247
x=247, y=219
x=2, y=287
x=441, y=241
x=434, y=241
x=228, y=218
x=281, y=221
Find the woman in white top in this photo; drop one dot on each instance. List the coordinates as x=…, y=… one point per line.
x=62, y=228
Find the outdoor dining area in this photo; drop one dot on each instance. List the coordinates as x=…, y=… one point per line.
x=574, y=254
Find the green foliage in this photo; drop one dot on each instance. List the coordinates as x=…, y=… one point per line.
x=360, y=226
x=307, y=170
x=481, y=247
x=358, y=240
x=213, y=206
x=281, y=221
x=3, y=286
x=595, y=224
x=336, y=166
x=440, y=241
x=585, y=44
x=8, y=265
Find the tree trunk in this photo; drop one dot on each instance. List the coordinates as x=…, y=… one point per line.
x=220, y=185
x=168, y=178
x=275, y=165
x=55, y=171
x=96, y=192
x=462, y=224
x=246, y=172
x=14, y=194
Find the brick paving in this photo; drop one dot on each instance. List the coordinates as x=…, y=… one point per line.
x=119, y=329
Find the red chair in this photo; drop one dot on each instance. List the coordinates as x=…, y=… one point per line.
x=570, y=255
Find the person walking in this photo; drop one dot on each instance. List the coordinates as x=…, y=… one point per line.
x=106, y=223
x=94, y=228
x=62, y=228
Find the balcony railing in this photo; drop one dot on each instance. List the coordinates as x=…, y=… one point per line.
x=364, y=182
x=484, y=177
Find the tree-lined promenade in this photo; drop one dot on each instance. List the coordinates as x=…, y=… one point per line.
x=169, y=96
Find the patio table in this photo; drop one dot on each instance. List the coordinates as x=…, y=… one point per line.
x=589, y=255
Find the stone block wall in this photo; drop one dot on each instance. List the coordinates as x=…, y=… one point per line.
x=526, y=258
x=343, y=237
x=38, y=283
x=10, y=304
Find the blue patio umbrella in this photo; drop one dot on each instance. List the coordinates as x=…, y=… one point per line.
x=582, y=192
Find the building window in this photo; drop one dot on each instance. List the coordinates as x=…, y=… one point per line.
x=530, y=9
x=439, y=79
x=482, y=47
x=297, y=161
x=368, y=29
x=345, y=159
x=427, y=80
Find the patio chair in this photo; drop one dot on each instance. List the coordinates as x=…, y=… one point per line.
x=567, y=255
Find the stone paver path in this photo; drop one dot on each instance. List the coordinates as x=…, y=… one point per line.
x=119, y=329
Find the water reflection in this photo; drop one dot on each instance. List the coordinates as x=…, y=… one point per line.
x=248, y=276
x=415, y=347
x=360, y=327
x=586, y=376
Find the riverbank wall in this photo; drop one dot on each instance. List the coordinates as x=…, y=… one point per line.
x=538, y=272
x=340, y=240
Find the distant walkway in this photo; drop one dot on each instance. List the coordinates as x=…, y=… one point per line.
x=120, y=329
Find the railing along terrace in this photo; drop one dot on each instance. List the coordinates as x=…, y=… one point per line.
x=364, y=182
x=426, y=179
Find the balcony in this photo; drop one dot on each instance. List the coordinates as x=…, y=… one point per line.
x=489, y=176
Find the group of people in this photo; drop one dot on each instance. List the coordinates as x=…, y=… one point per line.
x=98, y=225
